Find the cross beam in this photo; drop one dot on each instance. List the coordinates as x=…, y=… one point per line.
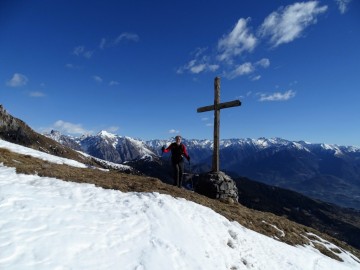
x=216, y=108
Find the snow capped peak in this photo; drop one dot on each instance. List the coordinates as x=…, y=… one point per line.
x=262, y=142
x=55, y=135
x=105, y=134
x=299, y=146
x=327, y=146
x=55, y=132
x=331, y=147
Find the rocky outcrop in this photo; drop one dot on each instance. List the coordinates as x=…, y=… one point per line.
x=13, y=129
x=217, y=185
x=16, y=131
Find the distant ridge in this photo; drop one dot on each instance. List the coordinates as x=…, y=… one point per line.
x=330, y=173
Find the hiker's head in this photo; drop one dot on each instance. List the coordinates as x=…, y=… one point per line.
x=178, y=139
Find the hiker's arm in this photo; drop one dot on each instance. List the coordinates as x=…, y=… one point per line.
x=168, y=148
x=186, y=153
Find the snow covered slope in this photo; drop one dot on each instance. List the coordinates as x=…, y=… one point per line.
x=52, y=224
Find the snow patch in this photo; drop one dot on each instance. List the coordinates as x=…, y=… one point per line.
x=52, y=224
x=40, y=155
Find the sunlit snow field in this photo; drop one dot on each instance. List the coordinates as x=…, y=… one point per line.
x=52, y=224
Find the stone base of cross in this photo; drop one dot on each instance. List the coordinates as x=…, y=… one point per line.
x=217, y=186
x=216, y=108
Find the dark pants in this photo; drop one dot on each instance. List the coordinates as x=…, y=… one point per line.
x=178, y=168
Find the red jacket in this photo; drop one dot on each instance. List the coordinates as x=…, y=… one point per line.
x=177, y=151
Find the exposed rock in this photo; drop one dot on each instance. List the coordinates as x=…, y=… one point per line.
x=13, y=129
x=217, y=186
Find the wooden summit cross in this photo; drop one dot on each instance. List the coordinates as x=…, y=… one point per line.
x=216, y=108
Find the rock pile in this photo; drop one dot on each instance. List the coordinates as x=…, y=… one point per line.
x=217, y=185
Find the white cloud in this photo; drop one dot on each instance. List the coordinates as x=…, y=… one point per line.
x=106, y=43
x=36, y=94
x=200, y=63
x=97, y=79
x=17, y=80
x=209, y=125
x=343, y=5
x=173, y=131
x=265, y=63
x=240, y=70
x=113, y=83
x=287, y=24
x=236, y=42
x=213, y=68
x=278, y=96
x=205, y=119
x=66, y=127
x=126, y=37
x=248, y=68
x=198, y=68
x=80, y=51
x=88, y=54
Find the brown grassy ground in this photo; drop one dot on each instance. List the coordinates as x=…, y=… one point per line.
x=255, y=220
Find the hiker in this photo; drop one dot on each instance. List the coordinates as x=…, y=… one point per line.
x=178, y=150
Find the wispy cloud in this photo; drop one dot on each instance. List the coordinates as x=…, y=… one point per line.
x=280, y=27
x=17, y=80
x=97, y=79
x=173, y=131
x=278, y=96
x=289, y=23
x=229, y=47
x=127, y=37
x=72, y=66
x=248, y=68
x=265, y=63
x=102, y=43
x=240, y=70
x=123, y=37
x=343, y=5
x=239, y=40
x=80, y=51
x=199, y=63
x=36, y=94
x=195, y=68
x=70, y=128
x=113, y=83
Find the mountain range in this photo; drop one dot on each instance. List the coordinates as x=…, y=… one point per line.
x=330, y=173
x=145, y=158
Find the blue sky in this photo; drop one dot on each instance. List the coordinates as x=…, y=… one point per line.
x=142, y=68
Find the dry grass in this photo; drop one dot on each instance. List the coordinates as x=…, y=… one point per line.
x=285, y=231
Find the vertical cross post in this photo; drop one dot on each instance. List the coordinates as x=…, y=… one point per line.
x=216, y=157
x=216, y=108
